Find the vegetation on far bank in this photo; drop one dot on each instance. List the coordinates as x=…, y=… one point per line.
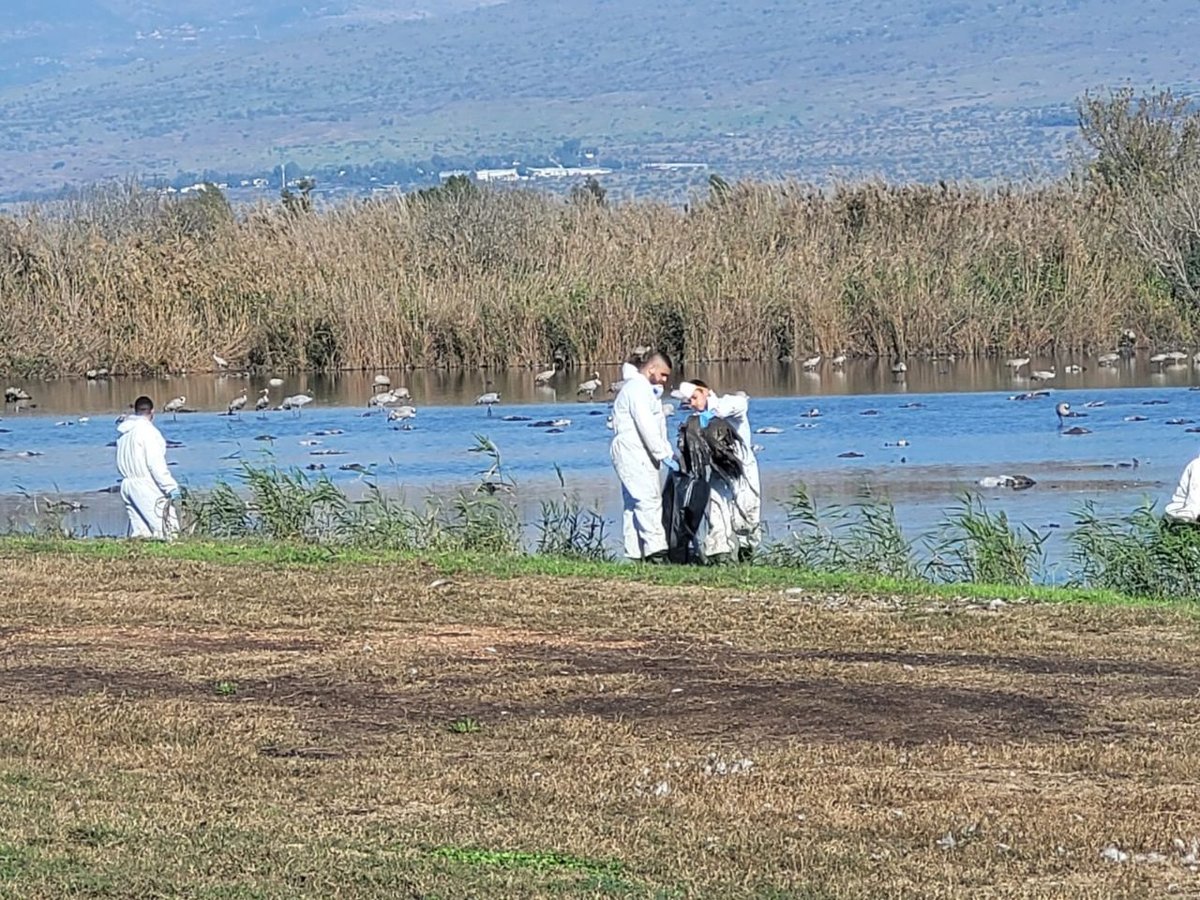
x=467, y=276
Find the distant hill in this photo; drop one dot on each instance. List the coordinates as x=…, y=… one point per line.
x=909, y=88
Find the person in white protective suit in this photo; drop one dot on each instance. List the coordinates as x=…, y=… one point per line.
x=1184, y=505
x=639, y=447
x=734, y=520
x=147, y=486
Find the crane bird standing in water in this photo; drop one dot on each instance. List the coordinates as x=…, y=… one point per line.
x=403, y=414
x=222, y=364
x=810, y=364
x=1064, y=411
x=1044, y=374
x=590, y=386
x=1016, y=364
x=175, y=405
x=263, y=401
x=490, y=399
x=296, y=402
x=237, y=403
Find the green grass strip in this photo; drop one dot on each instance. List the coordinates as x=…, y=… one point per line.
x=746, y=577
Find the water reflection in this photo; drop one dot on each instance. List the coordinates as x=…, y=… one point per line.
x=440, y=387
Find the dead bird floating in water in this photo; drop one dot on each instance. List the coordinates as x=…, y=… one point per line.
x=1030, y=395
x=1016, y=482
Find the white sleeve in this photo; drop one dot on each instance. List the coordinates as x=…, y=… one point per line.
x=156, y=461
x=731, y=406
x=650, y=427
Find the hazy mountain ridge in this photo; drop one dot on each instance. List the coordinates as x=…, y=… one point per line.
x=359, y=81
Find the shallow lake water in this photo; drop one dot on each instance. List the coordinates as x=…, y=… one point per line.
x=922, y=440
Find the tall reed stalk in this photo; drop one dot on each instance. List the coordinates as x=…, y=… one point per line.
x=485, y=277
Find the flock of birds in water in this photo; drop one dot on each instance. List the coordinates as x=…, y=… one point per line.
x=401, y=410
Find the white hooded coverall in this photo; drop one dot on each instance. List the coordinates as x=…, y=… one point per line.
x=639, y=445
x=1184, y=505
x=734, y=510
x=146, y=481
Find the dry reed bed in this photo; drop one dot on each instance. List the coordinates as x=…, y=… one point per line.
x=188, y=729
x=483, y=277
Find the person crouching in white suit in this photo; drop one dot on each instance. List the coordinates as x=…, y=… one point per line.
x=639, y=447
x=147, y=486
x=1184, y=505
x=734, y=510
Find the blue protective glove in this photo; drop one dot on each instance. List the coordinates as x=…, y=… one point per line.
x=671, y=463
x=175, y=496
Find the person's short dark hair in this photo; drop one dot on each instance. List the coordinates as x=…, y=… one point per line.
x=639, y=356
x=143, y=405
x=700, y=384
x=651, y=355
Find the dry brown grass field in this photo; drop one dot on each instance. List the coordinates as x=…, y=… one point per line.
x=184, y=728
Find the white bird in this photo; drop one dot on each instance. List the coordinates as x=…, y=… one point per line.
x=1159, y=359
x=1176, y=357
x=590, y=386
x=839, y=360
x=1043, y=374
x=381, y=382
x=263, y=401
x=899, y=367
x=545, y=377
x=296, y=402
x=1110, y=359
x=383, y=398
x=490, y=399
x=275, y=382
x=811, y=363
x=1017, y=363
x=236, y=404
x=1073, y=369
x=16, y=395
x=175, y=405
x=402, y=414
x=221, y=363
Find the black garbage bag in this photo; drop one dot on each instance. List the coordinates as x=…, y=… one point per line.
x=706, y=452
x=685, y=504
